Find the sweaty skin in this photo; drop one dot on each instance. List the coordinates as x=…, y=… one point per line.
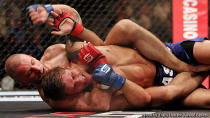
x=126, y=62
x=127, y=66
x=139, y=74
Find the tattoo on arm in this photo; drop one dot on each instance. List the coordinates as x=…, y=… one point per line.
x=77, y=17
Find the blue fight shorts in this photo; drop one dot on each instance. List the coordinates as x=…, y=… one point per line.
x=164, y=74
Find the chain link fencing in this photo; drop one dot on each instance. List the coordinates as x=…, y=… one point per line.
x=18, y=36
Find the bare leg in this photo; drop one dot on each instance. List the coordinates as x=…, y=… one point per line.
x=201, y=52
x=182, y=85
x=199, y=98
x=127, y=32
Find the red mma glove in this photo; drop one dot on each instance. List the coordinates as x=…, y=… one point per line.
x=91, y=56
x=77, y=28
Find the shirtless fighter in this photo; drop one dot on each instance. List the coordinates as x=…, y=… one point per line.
x=76, y=78
x=26, y=68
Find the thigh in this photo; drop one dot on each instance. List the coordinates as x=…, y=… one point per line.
x=201, y=52
x=198, y=98
x=182, y=85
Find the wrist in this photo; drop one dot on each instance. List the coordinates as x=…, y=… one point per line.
x=77, y=29
x=119, y=81
x=185, y=68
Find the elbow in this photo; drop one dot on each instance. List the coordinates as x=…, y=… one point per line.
x=147, y=100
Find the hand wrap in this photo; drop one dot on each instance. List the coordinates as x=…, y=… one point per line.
x=104, y=74
x=91, y=56
x=77, y=28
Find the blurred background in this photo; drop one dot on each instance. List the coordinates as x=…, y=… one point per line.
x=18, y=36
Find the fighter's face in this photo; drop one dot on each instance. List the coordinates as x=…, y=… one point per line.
x=29, y=69
x=75, y=80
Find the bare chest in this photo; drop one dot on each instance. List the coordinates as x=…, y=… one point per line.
x=131, y=64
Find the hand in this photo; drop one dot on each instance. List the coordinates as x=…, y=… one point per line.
x=104, y=74
x=65, y=24
x=91, y=56
x=65, y=27
x=38, y=13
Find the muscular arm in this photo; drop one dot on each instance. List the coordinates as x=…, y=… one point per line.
x=95, y=100
x=40, y=15
x=86, y=34
x=131, y=96
x=181, y=86
x=135, y=94
x=126, y=32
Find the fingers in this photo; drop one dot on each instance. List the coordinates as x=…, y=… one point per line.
x=40, y=9
x=59, y=33
x=50, y=21
x=31, y=10
x=33, y=15
x=34, y=18
x=56, y=13
x=85, y=43
x=38, y=16
x=42, y=14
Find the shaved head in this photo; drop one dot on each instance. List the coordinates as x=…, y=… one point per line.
x=12, y=63
x=24, y=68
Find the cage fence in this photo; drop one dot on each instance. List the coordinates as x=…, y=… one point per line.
x=19, y=36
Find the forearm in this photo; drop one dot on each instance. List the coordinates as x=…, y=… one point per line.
x=135, y=94
x=90, y=36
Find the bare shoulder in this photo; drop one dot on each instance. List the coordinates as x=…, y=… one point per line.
x=53, y=51
x=55, y=46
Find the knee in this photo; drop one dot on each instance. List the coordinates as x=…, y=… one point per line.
x=124, y=25
x=125, y=22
